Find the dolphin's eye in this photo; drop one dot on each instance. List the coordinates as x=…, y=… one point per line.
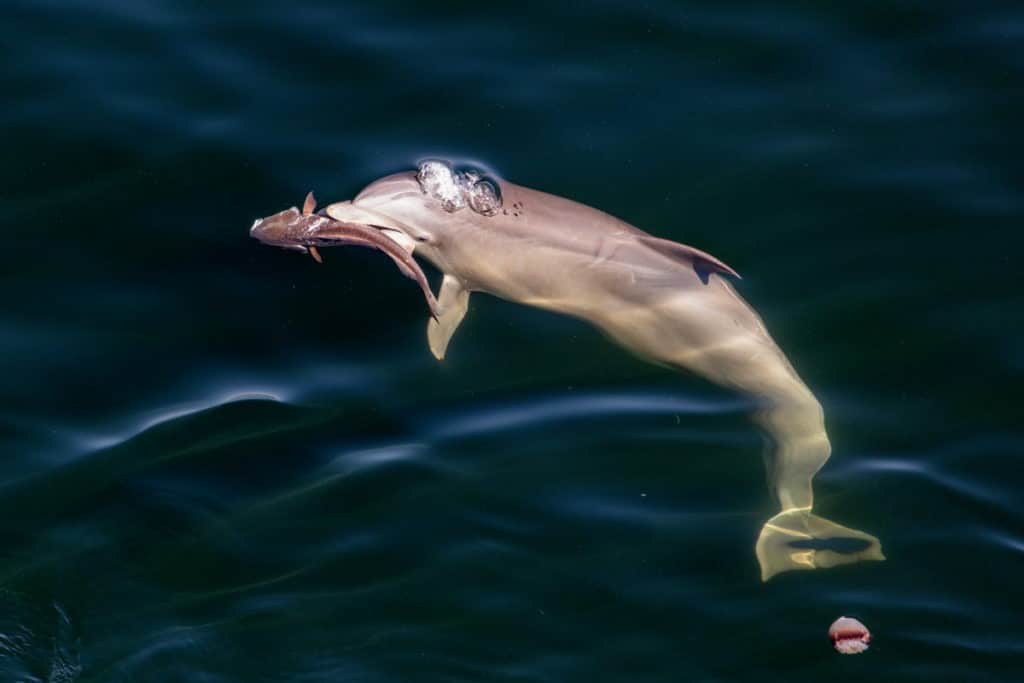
x=456, y=189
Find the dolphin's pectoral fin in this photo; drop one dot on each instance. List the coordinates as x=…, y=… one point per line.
x=453, y=300
x=702, y=262
x=799, y=539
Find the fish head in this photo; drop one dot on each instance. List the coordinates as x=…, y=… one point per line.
x=287, y=229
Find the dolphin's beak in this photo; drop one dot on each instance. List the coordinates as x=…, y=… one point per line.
x=347, y=212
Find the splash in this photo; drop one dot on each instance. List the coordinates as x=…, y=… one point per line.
x=458, y=189
x=37, y=643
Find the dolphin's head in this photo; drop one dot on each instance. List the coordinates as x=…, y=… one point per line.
x=425, y=204
x=419, y=210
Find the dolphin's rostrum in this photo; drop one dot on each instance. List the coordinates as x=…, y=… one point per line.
x=663, y=300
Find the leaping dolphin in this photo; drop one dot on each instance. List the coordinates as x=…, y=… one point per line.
x=663, y=300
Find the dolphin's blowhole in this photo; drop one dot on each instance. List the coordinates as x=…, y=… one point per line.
x=458, y=189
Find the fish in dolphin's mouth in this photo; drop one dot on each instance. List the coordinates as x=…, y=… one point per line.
x=305, y=231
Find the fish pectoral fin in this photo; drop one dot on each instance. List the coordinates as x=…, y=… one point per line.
x=702, y=262
x=453, y=300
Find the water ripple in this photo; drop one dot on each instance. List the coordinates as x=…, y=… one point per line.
x=540, y=410
x=197, y=484
x=928, y=469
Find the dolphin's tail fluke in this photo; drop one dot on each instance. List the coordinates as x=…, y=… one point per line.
x=800, y=539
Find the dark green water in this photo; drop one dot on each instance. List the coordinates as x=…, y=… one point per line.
x=224, y=463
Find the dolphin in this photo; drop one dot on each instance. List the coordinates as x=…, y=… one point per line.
x=665, y=301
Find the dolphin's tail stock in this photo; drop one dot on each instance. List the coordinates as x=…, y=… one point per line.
x=712, y=331
x=796, y=538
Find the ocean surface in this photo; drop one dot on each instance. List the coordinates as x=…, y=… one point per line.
x=225, y=463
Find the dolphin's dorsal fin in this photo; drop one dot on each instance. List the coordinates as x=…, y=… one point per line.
x=702, y=262
x=453, y=300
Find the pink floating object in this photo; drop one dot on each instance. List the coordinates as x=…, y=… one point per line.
x=849, y=636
